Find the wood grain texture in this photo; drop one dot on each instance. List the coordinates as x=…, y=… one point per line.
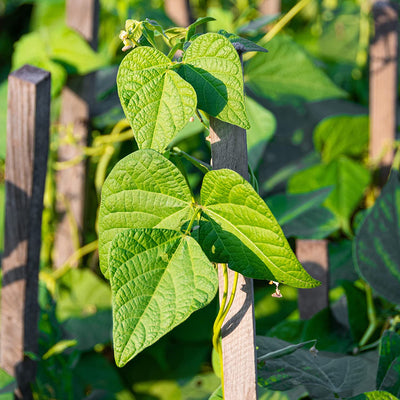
x=77, y=101
x=383, y=82
x=229, y=150
x=179, y=11
x=313, y=255
x=28, y=117
x=270, y=7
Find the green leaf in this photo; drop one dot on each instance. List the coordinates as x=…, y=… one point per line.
x=212, y=66
x=287, y=73
x=289, y=349
x=241, y=226
x=375, y=395
x=262, y=129
x=59, y=348
x=350, y=179
x=80, y=293
x=388, y=374
x=157, y=102
x=241, y=44
x=158, y=278
x=287, y=207
x=217, y=394
x=144, y=190
x=357, y=310
x=316, y=223
x=323, y=376
x=341, y=265
x=342, y=135
x=376, y=246
x=7, y=385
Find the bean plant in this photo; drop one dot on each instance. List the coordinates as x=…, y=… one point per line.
x=158, y=244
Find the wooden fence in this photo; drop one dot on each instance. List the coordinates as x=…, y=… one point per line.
x=26, y=161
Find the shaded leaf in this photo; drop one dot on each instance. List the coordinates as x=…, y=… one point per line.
x=262, y=129
x=287, y=207
x=157, y=102
x=287, y=73
x=144, y=190
x=212, y=66
x=158, y=278
x=350, y=179
x=376, y=250
x=323, y=376
x=388, y=374
x=242, y=229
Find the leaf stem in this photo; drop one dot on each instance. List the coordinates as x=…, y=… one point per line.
x=194, y=217
x=223, y=312
x=371, y=317
x=284, y=20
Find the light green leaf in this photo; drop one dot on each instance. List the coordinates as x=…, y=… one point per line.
x=388, y=374
x=144, y=190
x=376, y=246
x=241, y=224
x=350, y=179
x=217, y=394
x=287, y=74
x=7, y=385
x=212, y=66
x=262, y=129
x=375, y=395
x=342, y=135
x=158, y=278
x=157, y=102
x=59, y=348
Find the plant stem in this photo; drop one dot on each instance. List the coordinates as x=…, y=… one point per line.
x=194, y=217
x=284, y=20
x=371, y=317
x=223, y=312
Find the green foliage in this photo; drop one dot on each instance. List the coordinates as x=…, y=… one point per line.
x=212, y=66
x=156, y=100
x=59, y=50
x=342, y=135
x=298, y=78
x=158, y=278
x=7, y=386
x=322, y=376
x=389, y=364
x=376, y=254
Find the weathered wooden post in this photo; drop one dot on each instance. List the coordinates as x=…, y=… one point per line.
x=313, y=255
x=77, y=99
x=270, y=7
x=179, y=11
x=383, y=83
x=28, y=119
x=229, y=150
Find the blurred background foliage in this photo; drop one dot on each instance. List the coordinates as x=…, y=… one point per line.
x=307, y=102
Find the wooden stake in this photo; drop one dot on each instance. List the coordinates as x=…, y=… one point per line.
x=229, y=150
x=313, y=255
x=179, y=11
x=270, y=7
x=383, y=82
x=77, y=99
x=28, y=119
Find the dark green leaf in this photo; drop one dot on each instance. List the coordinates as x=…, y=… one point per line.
x=376, y=246
x=388, y=376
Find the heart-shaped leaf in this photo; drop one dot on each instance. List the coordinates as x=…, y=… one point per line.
x=212, y=66
x=242, y=230
x=157, y=102
x=158, y=278
x=144, y=190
